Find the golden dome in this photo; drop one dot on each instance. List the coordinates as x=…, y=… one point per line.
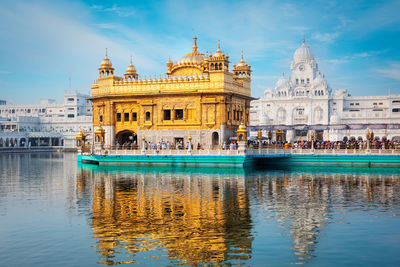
x=219, y=53
x=242, y=128
x=99, y=130
x=131, y=69
x=80, y=135
x=195, y=57
x=106, y=63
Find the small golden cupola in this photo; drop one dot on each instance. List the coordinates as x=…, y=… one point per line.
x=218, y=61
x=131, y=74
x=242, y=69
x=190, y=64
x=106, y=68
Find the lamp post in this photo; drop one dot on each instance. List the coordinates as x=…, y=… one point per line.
x=143, y=144
x=259, y=136
x=190, y=143
x=312, y=140
x=372, y=137
x=270, y=136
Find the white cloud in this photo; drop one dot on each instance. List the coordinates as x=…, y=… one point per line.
x=325, y=37
x=336, y=61
x=369, y=54
x=107, y=26
x=119, y=11
x=393, y=71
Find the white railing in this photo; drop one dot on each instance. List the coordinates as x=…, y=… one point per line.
x=174, y=152
x=345, y=151
x=252, y=151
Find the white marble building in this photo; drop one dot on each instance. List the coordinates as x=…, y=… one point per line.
x=304, y=101
x=46, y=123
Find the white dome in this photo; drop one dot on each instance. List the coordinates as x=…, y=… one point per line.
x=268, y=94
x=191, y=59
x=319, y=80
x=303, y=54
x=282, y=83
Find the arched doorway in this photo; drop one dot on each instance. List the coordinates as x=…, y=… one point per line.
x=215, y=139
x=22, y=142
x=280, y=136
x=126, y=137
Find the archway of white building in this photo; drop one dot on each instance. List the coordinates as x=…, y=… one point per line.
x=22, y=142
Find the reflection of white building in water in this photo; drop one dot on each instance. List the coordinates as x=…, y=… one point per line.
x=46, y=123
x=304, y=101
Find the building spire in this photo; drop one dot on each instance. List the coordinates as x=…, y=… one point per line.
x=304, y=39
x=194, y=44
x=131, y=60
x=241, y=58
x=106, y=53
x=219, y=48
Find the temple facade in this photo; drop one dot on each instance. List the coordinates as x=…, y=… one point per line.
x=200, y=97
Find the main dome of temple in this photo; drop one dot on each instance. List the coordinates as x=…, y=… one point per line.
x=303, y=53
x=192, y=58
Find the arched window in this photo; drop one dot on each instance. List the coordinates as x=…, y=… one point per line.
x=220, y=66
x=281, y=115
x=147, y=116
x=318, y=114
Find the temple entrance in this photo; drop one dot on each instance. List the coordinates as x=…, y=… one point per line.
x=280, y=136
x=126, y=137
x=215, y=139
x=319, y=134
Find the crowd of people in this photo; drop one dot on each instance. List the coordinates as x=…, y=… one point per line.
x=322, y=144
x=254, y=144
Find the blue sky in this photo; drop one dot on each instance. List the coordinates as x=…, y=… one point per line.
x=43, y=44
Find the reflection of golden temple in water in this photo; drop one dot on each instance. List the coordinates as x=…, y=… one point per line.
x=195, y=219
x=205, y=218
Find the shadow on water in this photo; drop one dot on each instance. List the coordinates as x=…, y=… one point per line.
x=192, y=215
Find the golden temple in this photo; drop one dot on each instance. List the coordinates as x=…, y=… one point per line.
x=199, y=98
